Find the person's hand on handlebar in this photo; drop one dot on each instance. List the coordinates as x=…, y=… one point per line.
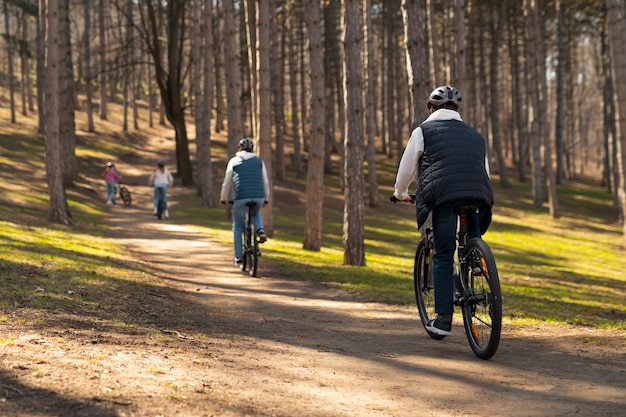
x=408, y=199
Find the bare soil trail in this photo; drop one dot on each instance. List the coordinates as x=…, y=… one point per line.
x=213, y=341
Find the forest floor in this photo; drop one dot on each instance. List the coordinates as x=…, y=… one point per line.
x=281, y=346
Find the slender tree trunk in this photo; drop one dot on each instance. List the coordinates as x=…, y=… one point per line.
x=102, y=73
x=293, y=94
x=416, y=58
x=264, y=104
x=315, y=172
x=353, y=229
x=10, y=75
x=87, y=64
x=616, y=16
x=59, y=210
x=278, y=37
x=494, y=89
x=370, y=107
x=233, y=77
x=69, y=161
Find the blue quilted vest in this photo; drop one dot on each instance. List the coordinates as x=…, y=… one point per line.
x=248, y=178
x=452, y=167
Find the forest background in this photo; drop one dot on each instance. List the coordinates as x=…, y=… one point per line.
x=329, y=85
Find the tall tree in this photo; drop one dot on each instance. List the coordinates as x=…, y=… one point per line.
x=616, y=17
x=353, y=230
x=170, y=70
x=315, y=172
x=369, y=62
x=203, y=87
x=87, y=77
x=59, y=210
x=67, y=127
x=9, y=42
x=264, y=109
x=233, y=77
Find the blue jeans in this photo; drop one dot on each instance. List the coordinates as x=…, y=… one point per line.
x=111, y=191
x=444, y=231
x=239, y=220
x=158, y=187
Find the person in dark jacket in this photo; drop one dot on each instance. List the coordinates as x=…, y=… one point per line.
x=246, y=175
x=449, y=159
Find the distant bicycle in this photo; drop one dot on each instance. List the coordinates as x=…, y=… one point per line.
x=250, y=244
x=124, y=194
x=160, y=203
x=476, y=286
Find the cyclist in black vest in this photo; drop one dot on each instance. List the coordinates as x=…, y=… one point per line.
x=247, y=176
x=449, y=159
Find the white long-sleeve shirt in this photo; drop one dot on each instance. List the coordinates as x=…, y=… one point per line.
x=159, y=177
x=409, y=163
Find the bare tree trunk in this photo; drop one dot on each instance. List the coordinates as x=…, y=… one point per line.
x=251, y=31
x=278, y=37
x=617, y=31
x=370, y=107
x=67, y=127
x=264, y=104
x=102, y=73
x=315, y=173
x=203, y=78
x=460, y=76
x=534, y=115
x=353, y=229
x=10, y=75
x=40, y=66
x=494, y=89
x=218, y=59
x=233, y=77
x=416, y=59
x=87, y=64
x=59, y=210
x=293, y=93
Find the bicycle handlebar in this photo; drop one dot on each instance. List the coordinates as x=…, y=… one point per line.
x=395, y=199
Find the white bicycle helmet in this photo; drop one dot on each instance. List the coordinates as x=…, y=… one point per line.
x=444, y=95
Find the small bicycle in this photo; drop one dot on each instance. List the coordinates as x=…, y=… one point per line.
x=476, y=286
x=124, y=194
x=160, y=203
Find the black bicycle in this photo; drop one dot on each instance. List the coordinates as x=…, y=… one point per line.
x=251, y=252
x=124, y=194
x=476, y=286
x=160, y=203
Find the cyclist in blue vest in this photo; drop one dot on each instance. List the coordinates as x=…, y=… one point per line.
x=449, y=159
x=246, y=175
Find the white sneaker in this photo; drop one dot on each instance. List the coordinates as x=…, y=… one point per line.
x=109, y=203
x=154, y=211
x=167, y=214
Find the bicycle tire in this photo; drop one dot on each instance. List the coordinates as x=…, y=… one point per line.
x=160, y=205
x=482, y=308
x=254, y=252
x=245, y=258
x=423, y=285
x=125, y=196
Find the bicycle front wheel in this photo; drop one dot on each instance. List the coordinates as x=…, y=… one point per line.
x=482, y=307
x=423, y=284
x=247, y=261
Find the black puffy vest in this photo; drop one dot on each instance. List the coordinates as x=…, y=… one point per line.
x=452, y=167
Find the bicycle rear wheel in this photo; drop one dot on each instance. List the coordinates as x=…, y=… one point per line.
x=423, y=285
x=125, y=196
x=482, y=308
x=254, y=253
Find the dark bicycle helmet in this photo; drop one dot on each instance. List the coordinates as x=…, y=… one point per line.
x=246, y=144
x=444, y=95
x=161, y=163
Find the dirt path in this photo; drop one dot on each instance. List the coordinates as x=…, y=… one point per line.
x=271, y=346
x=280, y=347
